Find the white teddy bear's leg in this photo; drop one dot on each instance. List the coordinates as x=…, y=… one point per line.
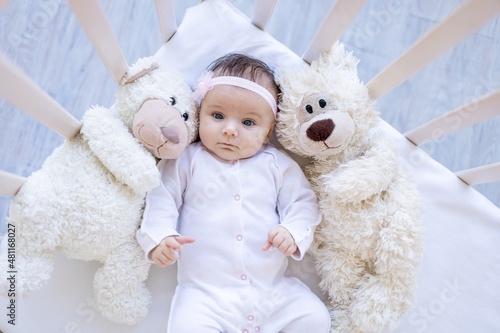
x=27, y=270
x=34, y=270
x=340, y=272
x=119, y=285
x=388, y=292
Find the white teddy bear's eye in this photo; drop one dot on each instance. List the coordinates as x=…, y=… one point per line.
x=185, y=116
x=172, y=101
x=309, y=108
x=322, y=103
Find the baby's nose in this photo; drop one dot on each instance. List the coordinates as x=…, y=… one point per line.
x=230, y=130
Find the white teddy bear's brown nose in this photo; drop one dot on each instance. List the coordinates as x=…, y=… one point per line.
x=320, y=130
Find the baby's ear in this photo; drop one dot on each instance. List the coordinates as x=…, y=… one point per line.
x=271, y=131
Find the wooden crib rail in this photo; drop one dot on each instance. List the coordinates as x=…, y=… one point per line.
x=262, y=13
x=11, y=183
x=339, y=18
x=483, y=174
x=463, y=21
x=15, y=86
x=477, y=111
x=93, y=20
x=166, y=17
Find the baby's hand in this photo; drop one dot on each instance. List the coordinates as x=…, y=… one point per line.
x=281, y=239
x=165, y=253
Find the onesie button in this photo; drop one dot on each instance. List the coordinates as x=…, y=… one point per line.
x=239, y=238
x=243, y=277
x=237, y=197
x=250, y=318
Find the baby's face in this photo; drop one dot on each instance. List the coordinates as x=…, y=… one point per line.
x=234, y=122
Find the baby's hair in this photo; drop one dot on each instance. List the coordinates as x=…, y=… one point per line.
x=247, y=67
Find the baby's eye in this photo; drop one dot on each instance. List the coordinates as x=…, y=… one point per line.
x=248, y=122
x=218, y=116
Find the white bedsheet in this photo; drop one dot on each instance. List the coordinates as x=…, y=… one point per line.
x=458, y=286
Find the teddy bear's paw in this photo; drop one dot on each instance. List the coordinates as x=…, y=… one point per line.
x=347, y=190
x=30, y=275
x=120, y=291
x=127, y=307
x=371, y=315
x=149, y=180
x=341, y=322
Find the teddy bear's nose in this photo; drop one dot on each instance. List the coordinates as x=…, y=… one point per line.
x=170, y=134
x=320, y=130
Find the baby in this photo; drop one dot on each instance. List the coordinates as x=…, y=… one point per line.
x=247, y=205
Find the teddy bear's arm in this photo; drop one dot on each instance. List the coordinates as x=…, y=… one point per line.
x=360, y=178
x=119, y=151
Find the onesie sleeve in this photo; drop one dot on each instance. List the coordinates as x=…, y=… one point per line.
x=163, y=204
x=297, y=205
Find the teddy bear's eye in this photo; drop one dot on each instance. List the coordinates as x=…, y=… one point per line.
x=185, y=116
x=309, y=108
x=322, y=103
x=172, y=101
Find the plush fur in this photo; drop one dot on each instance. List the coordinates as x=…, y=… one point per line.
x=368, y=247
x=87, y=199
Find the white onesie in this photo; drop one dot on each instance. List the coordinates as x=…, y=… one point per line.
x=226, y=283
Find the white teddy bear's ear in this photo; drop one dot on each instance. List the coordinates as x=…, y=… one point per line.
x=140, y=68
x=336, y=58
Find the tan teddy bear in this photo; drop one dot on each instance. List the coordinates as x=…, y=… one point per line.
x=368, y=247
x=87, y=199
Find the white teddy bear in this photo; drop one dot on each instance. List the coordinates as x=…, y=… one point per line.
x=368, y=247
x=87, y=199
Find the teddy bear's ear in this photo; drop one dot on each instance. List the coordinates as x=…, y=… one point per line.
x=336, y=58
x=141, y=67
x=142, y=73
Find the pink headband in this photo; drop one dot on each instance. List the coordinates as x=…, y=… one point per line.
x=206, y=82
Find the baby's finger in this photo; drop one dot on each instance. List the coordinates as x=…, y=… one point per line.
x=291, y=250
x=168, y=255
x=184, y=240
x=161, y=260
x=177, y=241
x=284, y=245
x=279, y=241
x=172, y=243
x=267, y=246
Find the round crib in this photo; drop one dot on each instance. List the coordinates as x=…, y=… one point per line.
x=432, y=67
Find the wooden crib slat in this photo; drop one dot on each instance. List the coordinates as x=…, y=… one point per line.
x=483, y=174
x=262, y=13
x=463, y=21
x=484, y=108
x=332, y=28
x=10, y=183
x=96, y=25
x=166, y=17
x=18, y=89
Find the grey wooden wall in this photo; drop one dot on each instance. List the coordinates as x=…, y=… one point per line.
x=44, y=39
